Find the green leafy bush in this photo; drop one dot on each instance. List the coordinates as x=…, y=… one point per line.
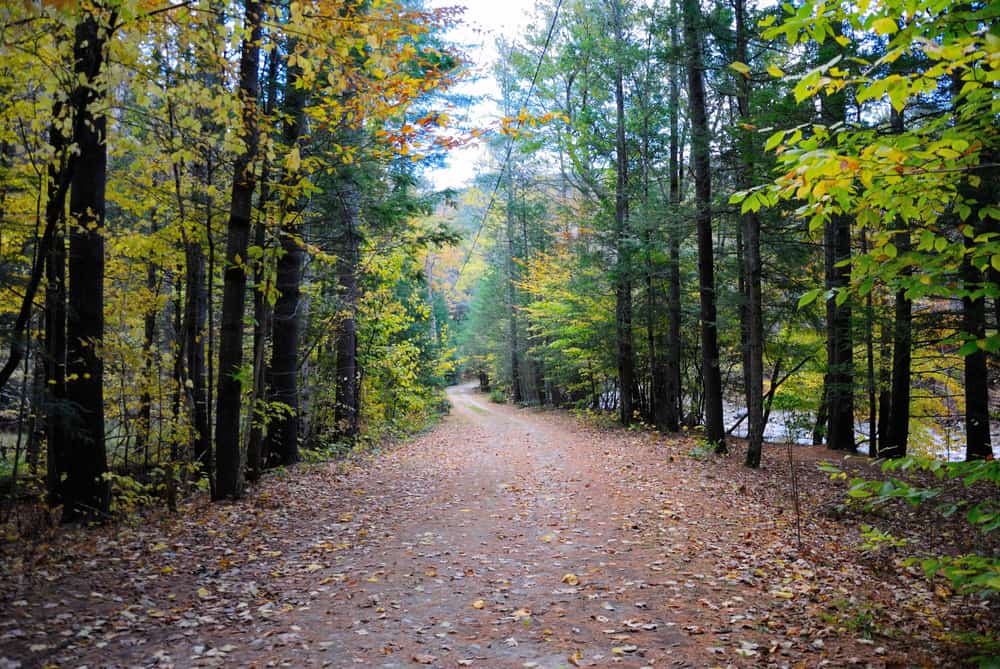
x=969, y=573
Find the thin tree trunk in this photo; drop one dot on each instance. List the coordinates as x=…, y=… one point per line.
x=55, y=312
x=144, y=429
x=229, y=460
x=820, y=426
x=285, y=345
x=516, y=392
x=672, y=399
x=884, y=383
x=753, y=311
x=287, y=319
x=623, y=267
x=977, y=415
x=840, y=350
x=715, y=431
x=978, y=444
x=894, y=443
x=195, y=315
x=873, y=436
x=347, y=414
x=257, y=455
x=36, y=430
x=256, y=452
x=840, y=345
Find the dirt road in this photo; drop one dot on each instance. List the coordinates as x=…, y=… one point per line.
x=505, y=538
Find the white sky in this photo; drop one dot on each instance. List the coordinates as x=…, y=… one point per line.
x=484, y=21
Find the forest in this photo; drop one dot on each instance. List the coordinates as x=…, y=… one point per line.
x=731, y=225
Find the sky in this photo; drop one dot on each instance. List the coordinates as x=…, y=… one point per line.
x=484, y=21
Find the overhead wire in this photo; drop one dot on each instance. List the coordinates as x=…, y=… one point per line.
x=510, y=142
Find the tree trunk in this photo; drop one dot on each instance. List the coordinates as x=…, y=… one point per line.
x=229, y=460
x=898, y=425
x=715, y=432
x=195, y=314
x=36, y=424
x=256, y=446
x=977, y=410
x=56, y=410
x=256, y=452
x=145, y=426
x=82, y=489
x=284, y=436
x=286, y=325
x=753, y=312
x=672, y=397
x=623, y=267
x=977, y=417
x=820, y=426
x=840, y=349
x=516, y=392
x=840, y=345
x=873, y=436
x=885, y=384
x=347, y=414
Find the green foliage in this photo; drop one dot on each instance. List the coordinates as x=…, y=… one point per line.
x=931, y=174
x=969, y=574
x=165, y=485
x=702, y=450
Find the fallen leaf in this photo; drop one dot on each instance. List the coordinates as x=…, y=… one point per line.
x=571, y=579
x=479, y=604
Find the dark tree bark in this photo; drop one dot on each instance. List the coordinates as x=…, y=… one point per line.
x=285, y=344
x=820, y=426
x=884, y=383
x=347, y=413
x=81, y=487
x=873, y=436
x=516, y=392
x=840, y=343
x=623, y=266
x=672, y=397
x=229, y=460
x=195, y=316
x=257, y=443
x=977, y=416
x=978, y=444
x=893, y=443
x=55, y=313
x=715, y=431
x=36, y=424
x=753, y=325
x=16, y=334
x=840, y=349
x=144, y=428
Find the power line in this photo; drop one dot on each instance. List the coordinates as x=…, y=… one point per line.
x=510, y=142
